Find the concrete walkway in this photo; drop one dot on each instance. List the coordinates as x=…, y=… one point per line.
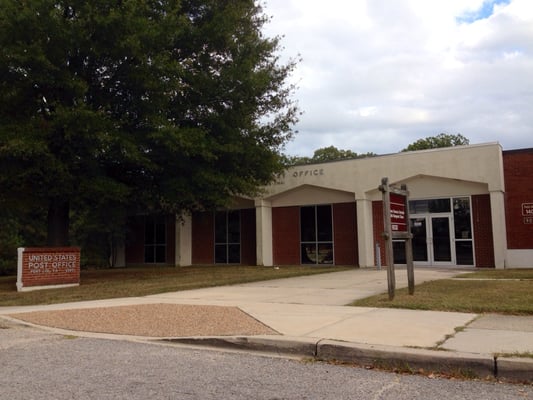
x=311, y=311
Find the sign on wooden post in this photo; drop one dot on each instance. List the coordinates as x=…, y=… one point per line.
x=396, y=227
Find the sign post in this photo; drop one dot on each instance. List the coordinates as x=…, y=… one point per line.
x=396, y=227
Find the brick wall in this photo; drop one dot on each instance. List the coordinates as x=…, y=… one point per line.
x=286, y=235
x=44, y=266
x=203, y=238
x=482, y=226
x=518, y=175
x=345, y=234
x=135, y=240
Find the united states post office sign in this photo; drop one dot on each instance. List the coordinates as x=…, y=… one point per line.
x=47, y=267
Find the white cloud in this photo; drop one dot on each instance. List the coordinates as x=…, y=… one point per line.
x=377, y=75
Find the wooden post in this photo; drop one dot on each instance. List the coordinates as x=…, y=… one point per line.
x=409, y=246
x=399, y=230
x=387, y=235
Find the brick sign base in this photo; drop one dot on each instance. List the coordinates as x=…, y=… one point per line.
x=47, y=268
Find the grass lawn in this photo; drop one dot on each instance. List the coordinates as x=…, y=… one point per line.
x=129, y=282
x=491, y=291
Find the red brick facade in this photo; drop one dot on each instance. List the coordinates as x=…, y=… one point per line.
x=203, y=238
x=135, y=240
x=345, y=234
x=482, y=227
x=286, y=235
x=518, y=175
x=46, y=266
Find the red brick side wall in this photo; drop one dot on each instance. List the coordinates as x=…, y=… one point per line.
x=203, y=238
x=482, y=226
x=135, y=240
x=378, y=223
x=286, y=235
x=248, y=240
x=42, y=266
x=345, y=234
x=518, y=175
x=171, y=239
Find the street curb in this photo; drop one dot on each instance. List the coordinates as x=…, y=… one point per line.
x=403, y=359
x=408, y=359
x=515, y=369
x=280, y=345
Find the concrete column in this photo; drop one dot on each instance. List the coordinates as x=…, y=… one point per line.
x=183, y=241
x=499, y=231
x=365, y=233
x=263, y=223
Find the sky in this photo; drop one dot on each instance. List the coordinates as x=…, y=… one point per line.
x=377, y=75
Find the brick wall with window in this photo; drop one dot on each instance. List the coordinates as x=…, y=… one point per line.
x=518, y=175
x=138, y=242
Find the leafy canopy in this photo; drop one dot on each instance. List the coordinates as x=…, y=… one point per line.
x=441, y=140
x=137, y=105
x=325, y=154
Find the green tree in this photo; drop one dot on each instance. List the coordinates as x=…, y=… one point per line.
x=162, y=106
x=441, y=140
x=325, y=154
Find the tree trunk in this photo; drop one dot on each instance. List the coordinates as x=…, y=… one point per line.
x=58, y=222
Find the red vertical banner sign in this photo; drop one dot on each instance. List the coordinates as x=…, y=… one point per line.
x=398, y=213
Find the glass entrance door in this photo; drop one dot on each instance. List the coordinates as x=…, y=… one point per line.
x=442, y=250
x=431, y=240
x=420, y=240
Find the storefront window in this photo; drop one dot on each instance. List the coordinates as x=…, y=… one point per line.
x=432, y=206
x=463, y=231
x=440, y=228
x=316, y=235
x=227, y=237
x=155, y=241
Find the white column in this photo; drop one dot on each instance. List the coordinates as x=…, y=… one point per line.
x=365, y=233
x=183, y=252
x=263, y=227
x=499, y=231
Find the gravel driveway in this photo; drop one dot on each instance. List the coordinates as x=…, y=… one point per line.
x=153, y=320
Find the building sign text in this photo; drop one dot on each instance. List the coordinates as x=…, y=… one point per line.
x=397, y=213
x=42, y=267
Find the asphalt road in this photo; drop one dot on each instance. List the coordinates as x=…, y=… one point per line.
x=39, y=365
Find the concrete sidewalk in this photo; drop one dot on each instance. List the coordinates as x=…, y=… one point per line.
x=311, y=315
